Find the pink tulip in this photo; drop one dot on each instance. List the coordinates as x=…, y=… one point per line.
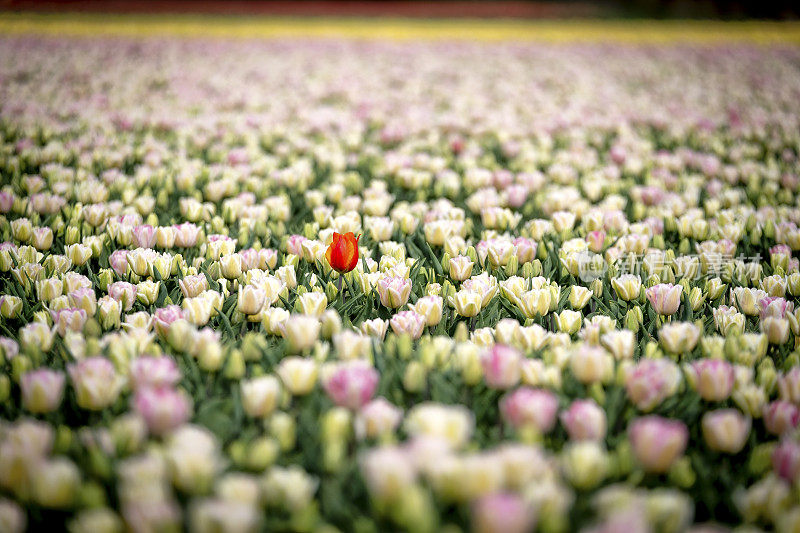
x=408, y=322
x=163, y=409
x=352, y=385
x=163, y=318
x=596, y=240
x=71, y=318
x=250, y=259
x=781, y=416
x=526, y=249
x=119, y=261
x=42, y=390
x=657, y=442
x=192, y=285
x=774, y=307
x=123, y=292
x=376, y=418
x=530, y=407
x=144, y=236
x=651, y=382
x=665, y=298
x=294, y=244
x=789, y=385
x=501, y=366
x=154, y=372
x=786, y=460
x=713, y=379
x=186, y=235
x=95, y=382
x=516, y=195
x=584, y=420
x=506, y=512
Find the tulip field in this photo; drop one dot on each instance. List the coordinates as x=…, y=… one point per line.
x=423, y=285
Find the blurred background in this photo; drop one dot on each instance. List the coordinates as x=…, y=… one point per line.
x=534, y=9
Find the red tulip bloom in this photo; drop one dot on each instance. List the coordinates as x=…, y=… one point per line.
x=342, y=254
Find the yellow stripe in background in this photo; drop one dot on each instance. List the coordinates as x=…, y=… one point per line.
x=633, y=31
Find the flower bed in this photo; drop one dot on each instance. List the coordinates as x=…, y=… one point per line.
x=363, y=286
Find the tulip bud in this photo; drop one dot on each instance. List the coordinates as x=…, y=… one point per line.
x=210, y=355
x=775, y=329
x=767, y=375
x=331, y=323
x=528, y=270
x=331, y=291
x=20, y=365
x=36, y=337
x=756, y=233
x=405, y=344
x=447, y=290
x=761, y=458
x=251, y=299
x=682, y=474
x=632, y=320
x=128, y=433
x=793, y=283
x=6, y=261
x=501, y=366
x=336, y=424
x=237, y=451
x=162, y=267
x=262, y=453
x=712, y=378
x=502, y=512
x=585, y=464
x=333, y=455
x=512, y=266
x=5, y=388
x=105, y=278
x=253, y=346
x=234, y=365
x=696, y=298
x=49, y=289
x=282, y=428
x=414, y=378
x=72, y=235
x=462, y=332
x=429, y=307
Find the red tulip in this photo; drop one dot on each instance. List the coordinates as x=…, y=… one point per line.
x=342, y=254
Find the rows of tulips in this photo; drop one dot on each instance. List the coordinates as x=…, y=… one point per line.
x=352, y=286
